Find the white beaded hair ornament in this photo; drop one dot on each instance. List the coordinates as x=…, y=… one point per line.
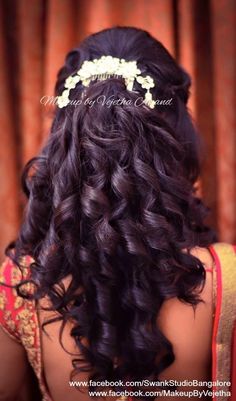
x=105, y=68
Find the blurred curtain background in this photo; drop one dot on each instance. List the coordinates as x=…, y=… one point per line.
x=35, y=36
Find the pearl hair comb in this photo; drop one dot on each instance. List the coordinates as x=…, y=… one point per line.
x=105, y=68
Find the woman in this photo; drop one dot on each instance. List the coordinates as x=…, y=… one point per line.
x=112, y=275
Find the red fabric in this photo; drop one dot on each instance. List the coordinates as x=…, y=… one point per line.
x=233, y=367
x=12, y=304
x=217, y=313
x=18, y=316
x=233, y=363
x=215, y=328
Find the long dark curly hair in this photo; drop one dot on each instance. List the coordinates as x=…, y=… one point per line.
x=112, y=202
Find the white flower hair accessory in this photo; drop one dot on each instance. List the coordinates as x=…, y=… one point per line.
x=105, y=68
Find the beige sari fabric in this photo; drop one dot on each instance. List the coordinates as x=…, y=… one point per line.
x=224, y=279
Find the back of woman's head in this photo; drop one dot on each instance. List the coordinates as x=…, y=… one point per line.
x=112, y=203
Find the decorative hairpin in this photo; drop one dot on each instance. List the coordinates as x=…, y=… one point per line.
x=105, y=68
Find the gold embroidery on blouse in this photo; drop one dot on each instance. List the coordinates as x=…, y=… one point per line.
x=18, y=303
x=227, y=259
x=29, y=328
x=3, y=299
x=16, y=275
x=2, y=278
x=24, y=324
x=10, y=323
x=26, y=327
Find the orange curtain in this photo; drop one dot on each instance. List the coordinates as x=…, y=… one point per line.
x=35, y=36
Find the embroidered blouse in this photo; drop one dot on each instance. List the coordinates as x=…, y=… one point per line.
x=19, y=317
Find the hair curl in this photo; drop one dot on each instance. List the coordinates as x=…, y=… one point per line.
x=112, y=202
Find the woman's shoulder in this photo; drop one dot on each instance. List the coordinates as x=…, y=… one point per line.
x=174, y=307
x=190, y=329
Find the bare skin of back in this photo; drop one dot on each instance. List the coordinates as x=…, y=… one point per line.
x=190, y=336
